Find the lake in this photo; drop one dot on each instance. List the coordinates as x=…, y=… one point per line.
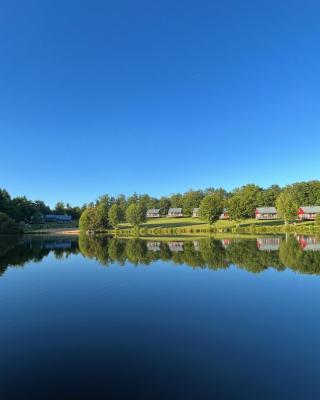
x=104, y=318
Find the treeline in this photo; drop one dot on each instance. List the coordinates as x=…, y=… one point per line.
x=240, y=203
x=209, y=253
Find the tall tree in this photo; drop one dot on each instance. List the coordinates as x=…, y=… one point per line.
x=87, y=220
x=115, y=215
x=135, y=215
x=211, y=208
x=287, y=206
x=101, y=216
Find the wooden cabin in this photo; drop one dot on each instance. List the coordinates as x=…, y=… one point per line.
x=195, y=213
x=224, y=215
x=308, y=213
x=153, y=246
x=153, y=213
x=175, y=212
x=266, y=213
x=309, y=243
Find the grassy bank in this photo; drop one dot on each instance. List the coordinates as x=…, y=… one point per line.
x=195, y=227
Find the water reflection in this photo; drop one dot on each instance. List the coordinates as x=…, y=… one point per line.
x=300, y=253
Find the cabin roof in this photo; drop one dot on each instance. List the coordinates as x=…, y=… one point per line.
x=153, y=211
x=175, y=210
x=196, y=209
x=266, y=210
x=310, y=209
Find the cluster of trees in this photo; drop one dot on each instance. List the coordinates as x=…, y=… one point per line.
x=20, y=208
x=241, y=203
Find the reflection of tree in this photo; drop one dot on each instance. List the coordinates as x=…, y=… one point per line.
x=213, y=253
x=205, y=253
x=291, y=254
x=137, y=251
x=245, y=254
x=95, y=247
x=117, y=250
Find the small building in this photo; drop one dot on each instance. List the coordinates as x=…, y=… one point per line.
x=195, y=212
x=269, y=243
x=175, y=212
x=57, y=218
x=308, y=213
x=266, y=213
x=196, y=245
x=224, y=215
x=153, y=213
x=175, y=246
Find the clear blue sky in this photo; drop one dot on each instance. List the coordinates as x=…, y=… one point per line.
x=157, y=96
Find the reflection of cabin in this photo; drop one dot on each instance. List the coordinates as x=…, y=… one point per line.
x=196, y=245
x=57, y=218
x=153, y=246
x=51, y=245
x=175, y=212
x=195, y=212
x=309, y=243
x=266, y=213
x=225, y=243
x=175, y=246
x=224, y=215
x=153, y=213
x=268, y=243
x=308, y=213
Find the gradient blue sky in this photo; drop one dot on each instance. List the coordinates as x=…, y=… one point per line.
x=157, y=96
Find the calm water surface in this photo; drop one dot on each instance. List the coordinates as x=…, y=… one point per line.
x=107, y=319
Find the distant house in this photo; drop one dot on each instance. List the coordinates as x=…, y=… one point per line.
x=266, y=213
x=268, y=243
x=153, y=213
x=57, y=218
x=175, y=212
x=224, y=215
x=175, y=246
x=308, y=213
x=195, y=212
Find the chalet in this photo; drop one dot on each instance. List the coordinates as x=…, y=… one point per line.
x=153, y=246
x=57, y=218
x=226, y=243
x=269, y=243
x=153, y=213
x=224, y=215
x=266, y=213
x=175, y=246
x=175, y=212
x=308, y=213
x=195, y=213
x=309, y=243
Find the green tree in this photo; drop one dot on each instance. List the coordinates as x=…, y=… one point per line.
x=191, y=200
x=286, y=206
x=115, y=215
x=135, y=215
x=101, y=217
x=8, y=225
x=318, y=220
x=87, y=220
x=211, y=208
x=244, y=201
